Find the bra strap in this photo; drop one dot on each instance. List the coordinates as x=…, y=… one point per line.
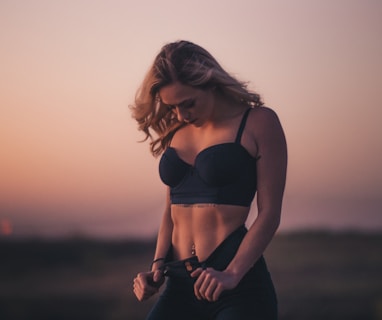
x=242, y=126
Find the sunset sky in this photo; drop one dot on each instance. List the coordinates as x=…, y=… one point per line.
x=70, y=161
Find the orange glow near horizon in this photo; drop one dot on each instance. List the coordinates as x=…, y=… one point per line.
x=69, y=156
x=5, y=227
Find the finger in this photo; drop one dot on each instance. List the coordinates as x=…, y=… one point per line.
x=138, y=294
x=143, y=294
x=217, y=292
x=137, y=290
x=136, y=284
x=207, y=286
x=197, y=285
x=145, y=280
x=140, y=283
x=158, y=275
x=210, y=290
x=196, y=273
x=142, y=288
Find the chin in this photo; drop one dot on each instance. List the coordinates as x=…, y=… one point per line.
x=195, y=123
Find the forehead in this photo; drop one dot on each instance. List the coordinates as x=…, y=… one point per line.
x=176, y=93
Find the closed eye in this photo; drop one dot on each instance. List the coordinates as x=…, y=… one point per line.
x=187, y=104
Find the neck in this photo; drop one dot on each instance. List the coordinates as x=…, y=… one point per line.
x=225, y=109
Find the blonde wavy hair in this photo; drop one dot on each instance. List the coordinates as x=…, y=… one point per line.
x=189, y=64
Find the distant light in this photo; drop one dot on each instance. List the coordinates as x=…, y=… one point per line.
x=5, y=227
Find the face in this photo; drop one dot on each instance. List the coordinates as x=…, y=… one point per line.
x=191, y=105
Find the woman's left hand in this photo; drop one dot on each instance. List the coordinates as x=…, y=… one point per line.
x=211, y=283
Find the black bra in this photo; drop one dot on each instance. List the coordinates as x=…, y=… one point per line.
x=224, y=173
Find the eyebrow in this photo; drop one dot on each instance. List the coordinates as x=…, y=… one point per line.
x=180, y=104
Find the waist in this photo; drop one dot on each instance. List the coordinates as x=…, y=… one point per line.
x=202, y=228
x=190, y=199
x=218, y=259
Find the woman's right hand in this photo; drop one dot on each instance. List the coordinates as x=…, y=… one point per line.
x=146, y=284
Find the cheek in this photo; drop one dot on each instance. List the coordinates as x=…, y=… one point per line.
x=206, y=105
x=201, y=110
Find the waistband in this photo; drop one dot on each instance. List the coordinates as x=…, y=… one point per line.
x=181, y=268
x=226, y=250
x=218, y=259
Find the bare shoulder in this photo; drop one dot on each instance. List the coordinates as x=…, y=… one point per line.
x=263, y=114
x=263, y=131
x=263, y=120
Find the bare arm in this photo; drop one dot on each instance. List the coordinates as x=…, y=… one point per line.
x=271, y=176
x=147, y=284
x=164, y=234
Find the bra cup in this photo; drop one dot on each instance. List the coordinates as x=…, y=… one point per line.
x=172, y=169
x=222, y=174
x=218, y=168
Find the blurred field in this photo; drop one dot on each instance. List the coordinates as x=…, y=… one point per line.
x=317, y=276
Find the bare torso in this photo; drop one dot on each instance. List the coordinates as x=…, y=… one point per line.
x=199, y=229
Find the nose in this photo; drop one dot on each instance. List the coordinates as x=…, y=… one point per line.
x=182, y=115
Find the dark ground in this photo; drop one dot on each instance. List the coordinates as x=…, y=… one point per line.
x=318, y=276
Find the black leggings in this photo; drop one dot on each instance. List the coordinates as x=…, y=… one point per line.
x=253, y=298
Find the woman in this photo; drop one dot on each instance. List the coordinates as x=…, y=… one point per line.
x=219, y=146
